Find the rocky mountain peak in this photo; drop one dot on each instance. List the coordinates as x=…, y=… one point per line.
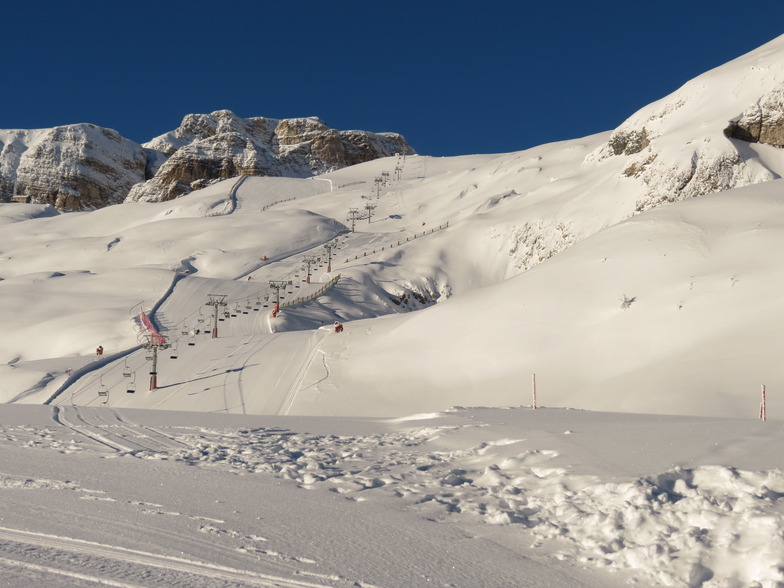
x=84, y=166
x=72, y=167
x=220, y=145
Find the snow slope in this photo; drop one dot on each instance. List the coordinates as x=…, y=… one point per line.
x=463, y=277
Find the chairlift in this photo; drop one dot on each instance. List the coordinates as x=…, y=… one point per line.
x=126, y=369
x=192, y=342
x=173, y=351
x=103, y=392
x=131, y=389
x=185, y=329
x=148, y=357
x=200, y=319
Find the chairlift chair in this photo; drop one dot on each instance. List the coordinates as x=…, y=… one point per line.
x=173, y=351
x=103, y=392
x=131, y=389
x=192, y=342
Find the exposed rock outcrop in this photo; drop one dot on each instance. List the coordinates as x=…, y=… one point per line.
x=72, y=167
x=209, y=147
x=763, y=122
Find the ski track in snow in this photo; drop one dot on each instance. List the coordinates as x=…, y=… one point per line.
x=118, y=566
x=108, y=429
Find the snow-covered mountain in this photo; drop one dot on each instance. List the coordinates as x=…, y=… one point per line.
x=72, y=167
x=635, y=271
x=83, y=167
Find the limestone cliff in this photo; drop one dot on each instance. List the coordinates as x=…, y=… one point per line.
x=208, y=147
x=72, y=167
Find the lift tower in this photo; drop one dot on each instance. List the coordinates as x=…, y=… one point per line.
x=329, y=247
x=216, y=301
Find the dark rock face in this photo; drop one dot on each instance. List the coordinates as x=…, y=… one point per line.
x=628, y=142
x=761, y=123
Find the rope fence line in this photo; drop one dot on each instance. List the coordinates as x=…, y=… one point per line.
x=401, y=242
x=271, y=204
x=314, y=295
x=232, y=199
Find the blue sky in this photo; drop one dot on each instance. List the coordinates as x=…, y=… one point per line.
x=453, y=77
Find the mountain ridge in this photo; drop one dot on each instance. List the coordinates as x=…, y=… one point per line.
x=83, y=166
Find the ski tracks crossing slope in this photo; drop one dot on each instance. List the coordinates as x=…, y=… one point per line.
x=113, y=565
x=109, y=430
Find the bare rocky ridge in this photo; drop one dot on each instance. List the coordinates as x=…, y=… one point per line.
x=83, y=166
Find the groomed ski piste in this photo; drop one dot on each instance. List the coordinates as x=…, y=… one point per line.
x=406, y=450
